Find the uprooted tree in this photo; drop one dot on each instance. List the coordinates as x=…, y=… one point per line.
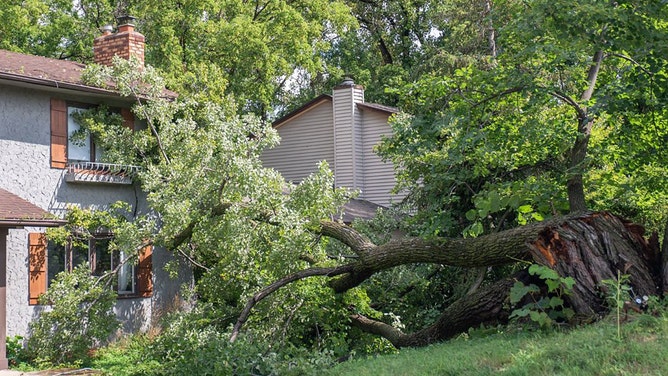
x=591, y=247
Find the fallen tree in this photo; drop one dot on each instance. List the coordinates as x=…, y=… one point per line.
x=590, y=247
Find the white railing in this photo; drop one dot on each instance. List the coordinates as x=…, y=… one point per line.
x=96, y=172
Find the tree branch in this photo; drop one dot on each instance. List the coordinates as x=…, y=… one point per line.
x=333, y=271
x=484, y=306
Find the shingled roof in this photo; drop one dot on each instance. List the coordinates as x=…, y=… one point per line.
x=38, y=70
x=45, y=71
x=17, y=212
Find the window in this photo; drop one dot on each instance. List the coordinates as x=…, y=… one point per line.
x=63, y=147
x=48, y=259
x=80, y=146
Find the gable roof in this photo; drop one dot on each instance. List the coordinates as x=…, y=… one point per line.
x=306, y=107
x=323, y=98
x=17, y=212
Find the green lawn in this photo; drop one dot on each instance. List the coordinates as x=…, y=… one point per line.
x=588, y=350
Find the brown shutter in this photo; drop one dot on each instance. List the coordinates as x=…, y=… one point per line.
x=58, y=133
x=145, y=272
x=37, y=270
x=128, y=118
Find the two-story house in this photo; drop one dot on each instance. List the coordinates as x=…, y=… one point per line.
x=43, y=171
x=341, y=129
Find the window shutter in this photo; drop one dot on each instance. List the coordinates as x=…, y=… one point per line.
x=145, y=272
x=128, y=118
x=37, y=269
x=58, y=133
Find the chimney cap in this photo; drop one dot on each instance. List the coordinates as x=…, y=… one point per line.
x=126, y=20
x=347, y=81
x=106, y=29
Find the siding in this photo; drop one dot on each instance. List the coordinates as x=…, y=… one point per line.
x=305, y=141
x=378, y=176
x=347, y=137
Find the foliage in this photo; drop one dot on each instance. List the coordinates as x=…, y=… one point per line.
x=239, y=224
x=209, y=50
x=16, y=353
x=79, y=317
x=191, y=343
x=542, y=307
x=504, y=133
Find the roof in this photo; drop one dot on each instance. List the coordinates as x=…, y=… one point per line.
x=17, y=212
x=378, y=107
x=359, y=209
x=44, y=71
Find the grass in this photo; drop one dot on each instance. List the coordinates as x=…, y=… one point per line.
x=588, y=350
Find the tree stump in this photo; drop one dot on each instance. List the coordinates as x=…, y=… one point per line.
x=594, y=247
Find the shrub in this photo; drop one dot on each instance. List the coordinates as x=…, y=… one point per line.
x=80, y=316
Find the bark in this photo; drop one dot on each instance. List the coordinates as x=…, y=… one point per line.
x=489, y=250
x=593, y=249
x=491, y=33
x=575, y=186
x=486, y=305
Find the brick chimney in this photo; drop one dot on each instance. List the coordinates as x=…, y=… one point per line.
x=125, y=42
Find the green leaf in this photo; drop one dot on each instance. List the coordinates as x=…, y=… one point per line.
x=543, y=272
x=556, y=302
x=524, y=209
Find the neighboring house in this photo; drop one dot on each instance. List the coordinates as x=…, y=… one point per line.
x=42, y=172
x=341, y=129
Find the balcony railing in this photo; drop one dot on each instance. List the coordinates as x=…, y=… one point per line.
x=100, y=173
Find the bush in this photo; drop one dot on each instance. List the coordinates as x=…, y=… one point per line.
x=190, y=344
x=80, y=316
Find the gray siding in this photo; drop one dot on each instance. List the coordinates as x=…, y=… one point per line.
x=347, y=137
x=305, y=141
x=378, y=175
x=343, y=134
x=25, y=171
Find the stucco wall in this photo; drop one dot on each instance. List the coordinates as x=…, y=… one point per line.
x=25, y=171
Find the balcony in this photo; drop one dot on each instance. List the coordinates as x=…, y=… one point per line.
x=100, y=173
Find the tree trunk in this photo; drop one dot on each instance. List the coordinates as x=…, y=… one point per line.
x=486, y=305
x=664, y=262
x=590, y=247
x=593, y=249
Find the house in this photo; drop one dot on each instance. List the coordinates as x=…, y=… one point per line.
x=341, y=129
x=43, y=172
